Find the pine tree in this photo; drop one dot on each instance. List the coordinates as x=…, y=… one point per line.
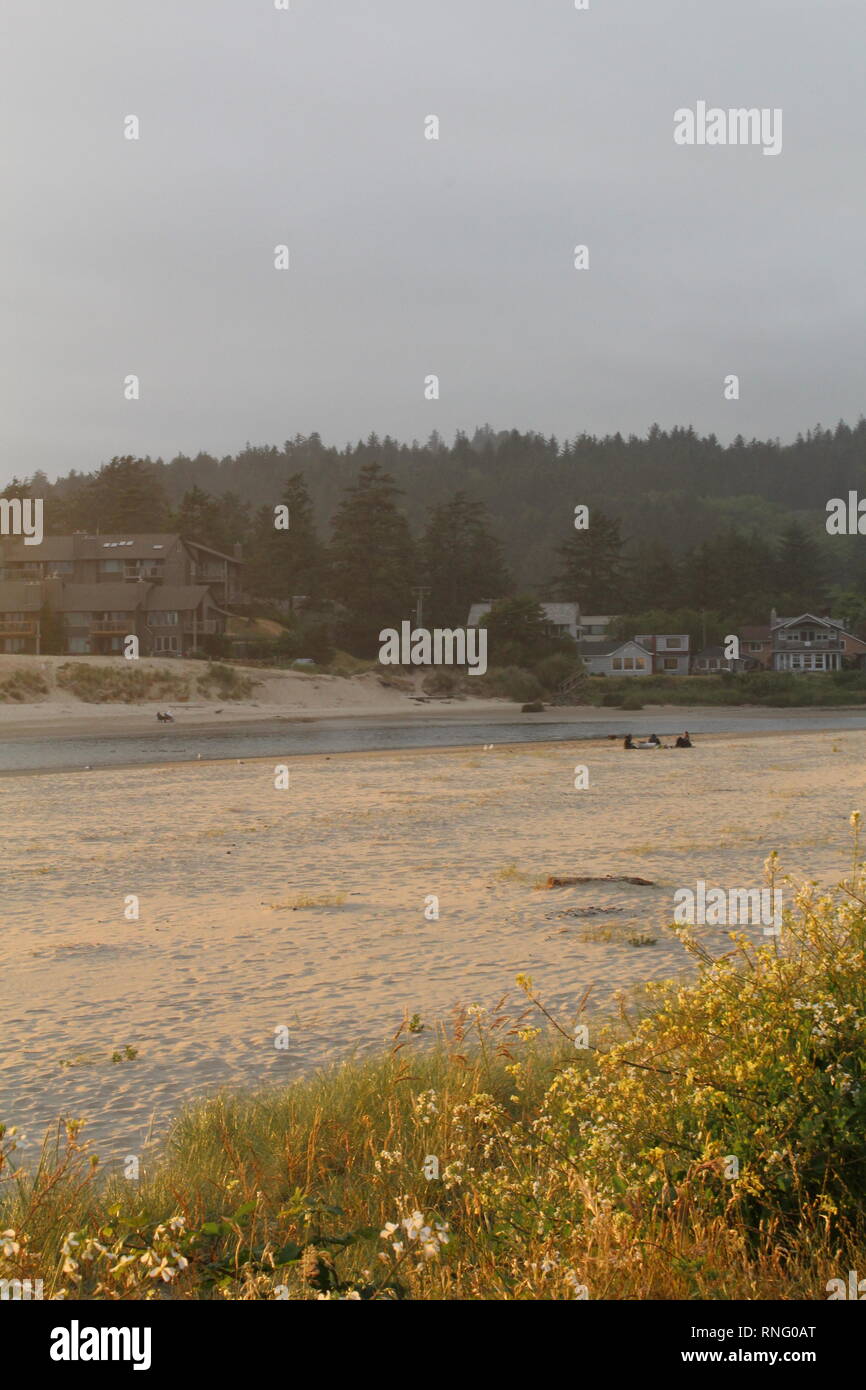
x=372, y=560
x=126, y=495
x=287, y=562
x=197, y=517
x=799, y=571
x=592, y=566
x=461, y=561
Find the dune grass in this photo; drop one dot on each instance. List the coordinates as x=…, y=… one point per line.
x=23, y=686
x=121, y=683
x=712, y=1148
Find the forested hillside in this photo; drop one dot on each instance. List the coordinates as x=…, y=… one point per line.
x=695, y=523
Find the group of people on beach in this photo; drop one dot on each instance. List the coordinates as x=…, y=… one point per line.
x=683, y=741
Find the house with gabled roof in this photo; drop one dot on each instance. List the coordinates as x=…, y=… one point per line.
x=814, y=644
x=623, y=658
x=123, y=558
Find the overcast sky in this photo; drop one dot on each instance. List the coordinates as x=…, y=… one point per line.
x=409, y=256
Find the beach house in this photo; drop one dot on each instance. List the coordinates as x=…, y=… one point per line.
x=617, y=658
x=81, y=558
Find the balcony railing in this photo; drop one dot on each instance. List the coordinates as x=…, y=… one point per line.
x=810, y=644
x=12, y=628
x=102, y=627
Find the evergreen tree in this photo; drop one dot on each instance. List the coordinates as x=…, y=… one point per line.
x=518, y=633
x=461, y=561
x=127, y=494
x=653, y=577
x=799, y=568
x=592, y=572
x=284, y=563
x=372, y=561
x=197, y=517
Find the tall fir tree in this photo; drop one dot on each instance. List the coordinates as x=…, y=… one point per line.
x=127, y=494
x=460, y=561
x=800, y=577
x=285, y=563
x=372, y=560
x=592, y=568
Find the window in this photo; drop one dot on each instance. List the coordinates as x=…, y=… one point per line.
x=617, y=663
x=640, y=663
x=78, y=620
x=755, y=646
x=163, y=618
x=166, y=644
x=673, y=642
x=110, y=566
x=628, y=663
x=670, y=663
x=78, y=646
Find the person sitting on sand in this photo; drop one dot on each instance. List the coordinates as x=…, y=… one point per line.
x=654, y=738
x=684, y=741
x=628, y=741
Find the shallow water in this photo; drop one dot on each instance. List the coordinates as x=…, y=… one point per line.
x=290, y=738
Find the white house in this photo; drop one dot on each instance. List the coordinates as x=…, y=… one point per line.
x=563, y=618
x=627, y=658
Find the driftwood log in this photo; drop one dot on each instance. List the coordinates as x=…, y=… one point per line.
x=567, y=881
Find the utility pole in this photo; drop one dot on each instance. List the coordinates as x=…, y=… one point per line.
x=419, y=591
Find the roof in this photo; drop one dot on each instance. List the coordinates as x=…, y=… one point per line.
x=172, y=596
x=197, y=545
x=756, y=634
x=711, y=651
x=17, y=596
x=806, y=618
x=114, y=545
x=562, y=614
x=477, y=612
x=609, y=648
x=50, y=548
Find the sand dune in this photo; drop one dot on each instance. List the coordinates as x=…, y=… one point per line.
x=230, y=944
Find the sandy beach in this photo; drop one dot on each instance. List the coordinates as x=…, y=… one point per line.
x=303, y=908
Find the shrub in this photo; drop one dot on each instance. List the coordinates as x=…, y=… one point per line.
x=553, y=670
x=225, y=683
x=23, y=685
x=121, y=683
x=441, y=682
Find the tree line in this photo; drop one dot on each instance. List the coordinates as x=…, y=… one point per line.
x=493, y=515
